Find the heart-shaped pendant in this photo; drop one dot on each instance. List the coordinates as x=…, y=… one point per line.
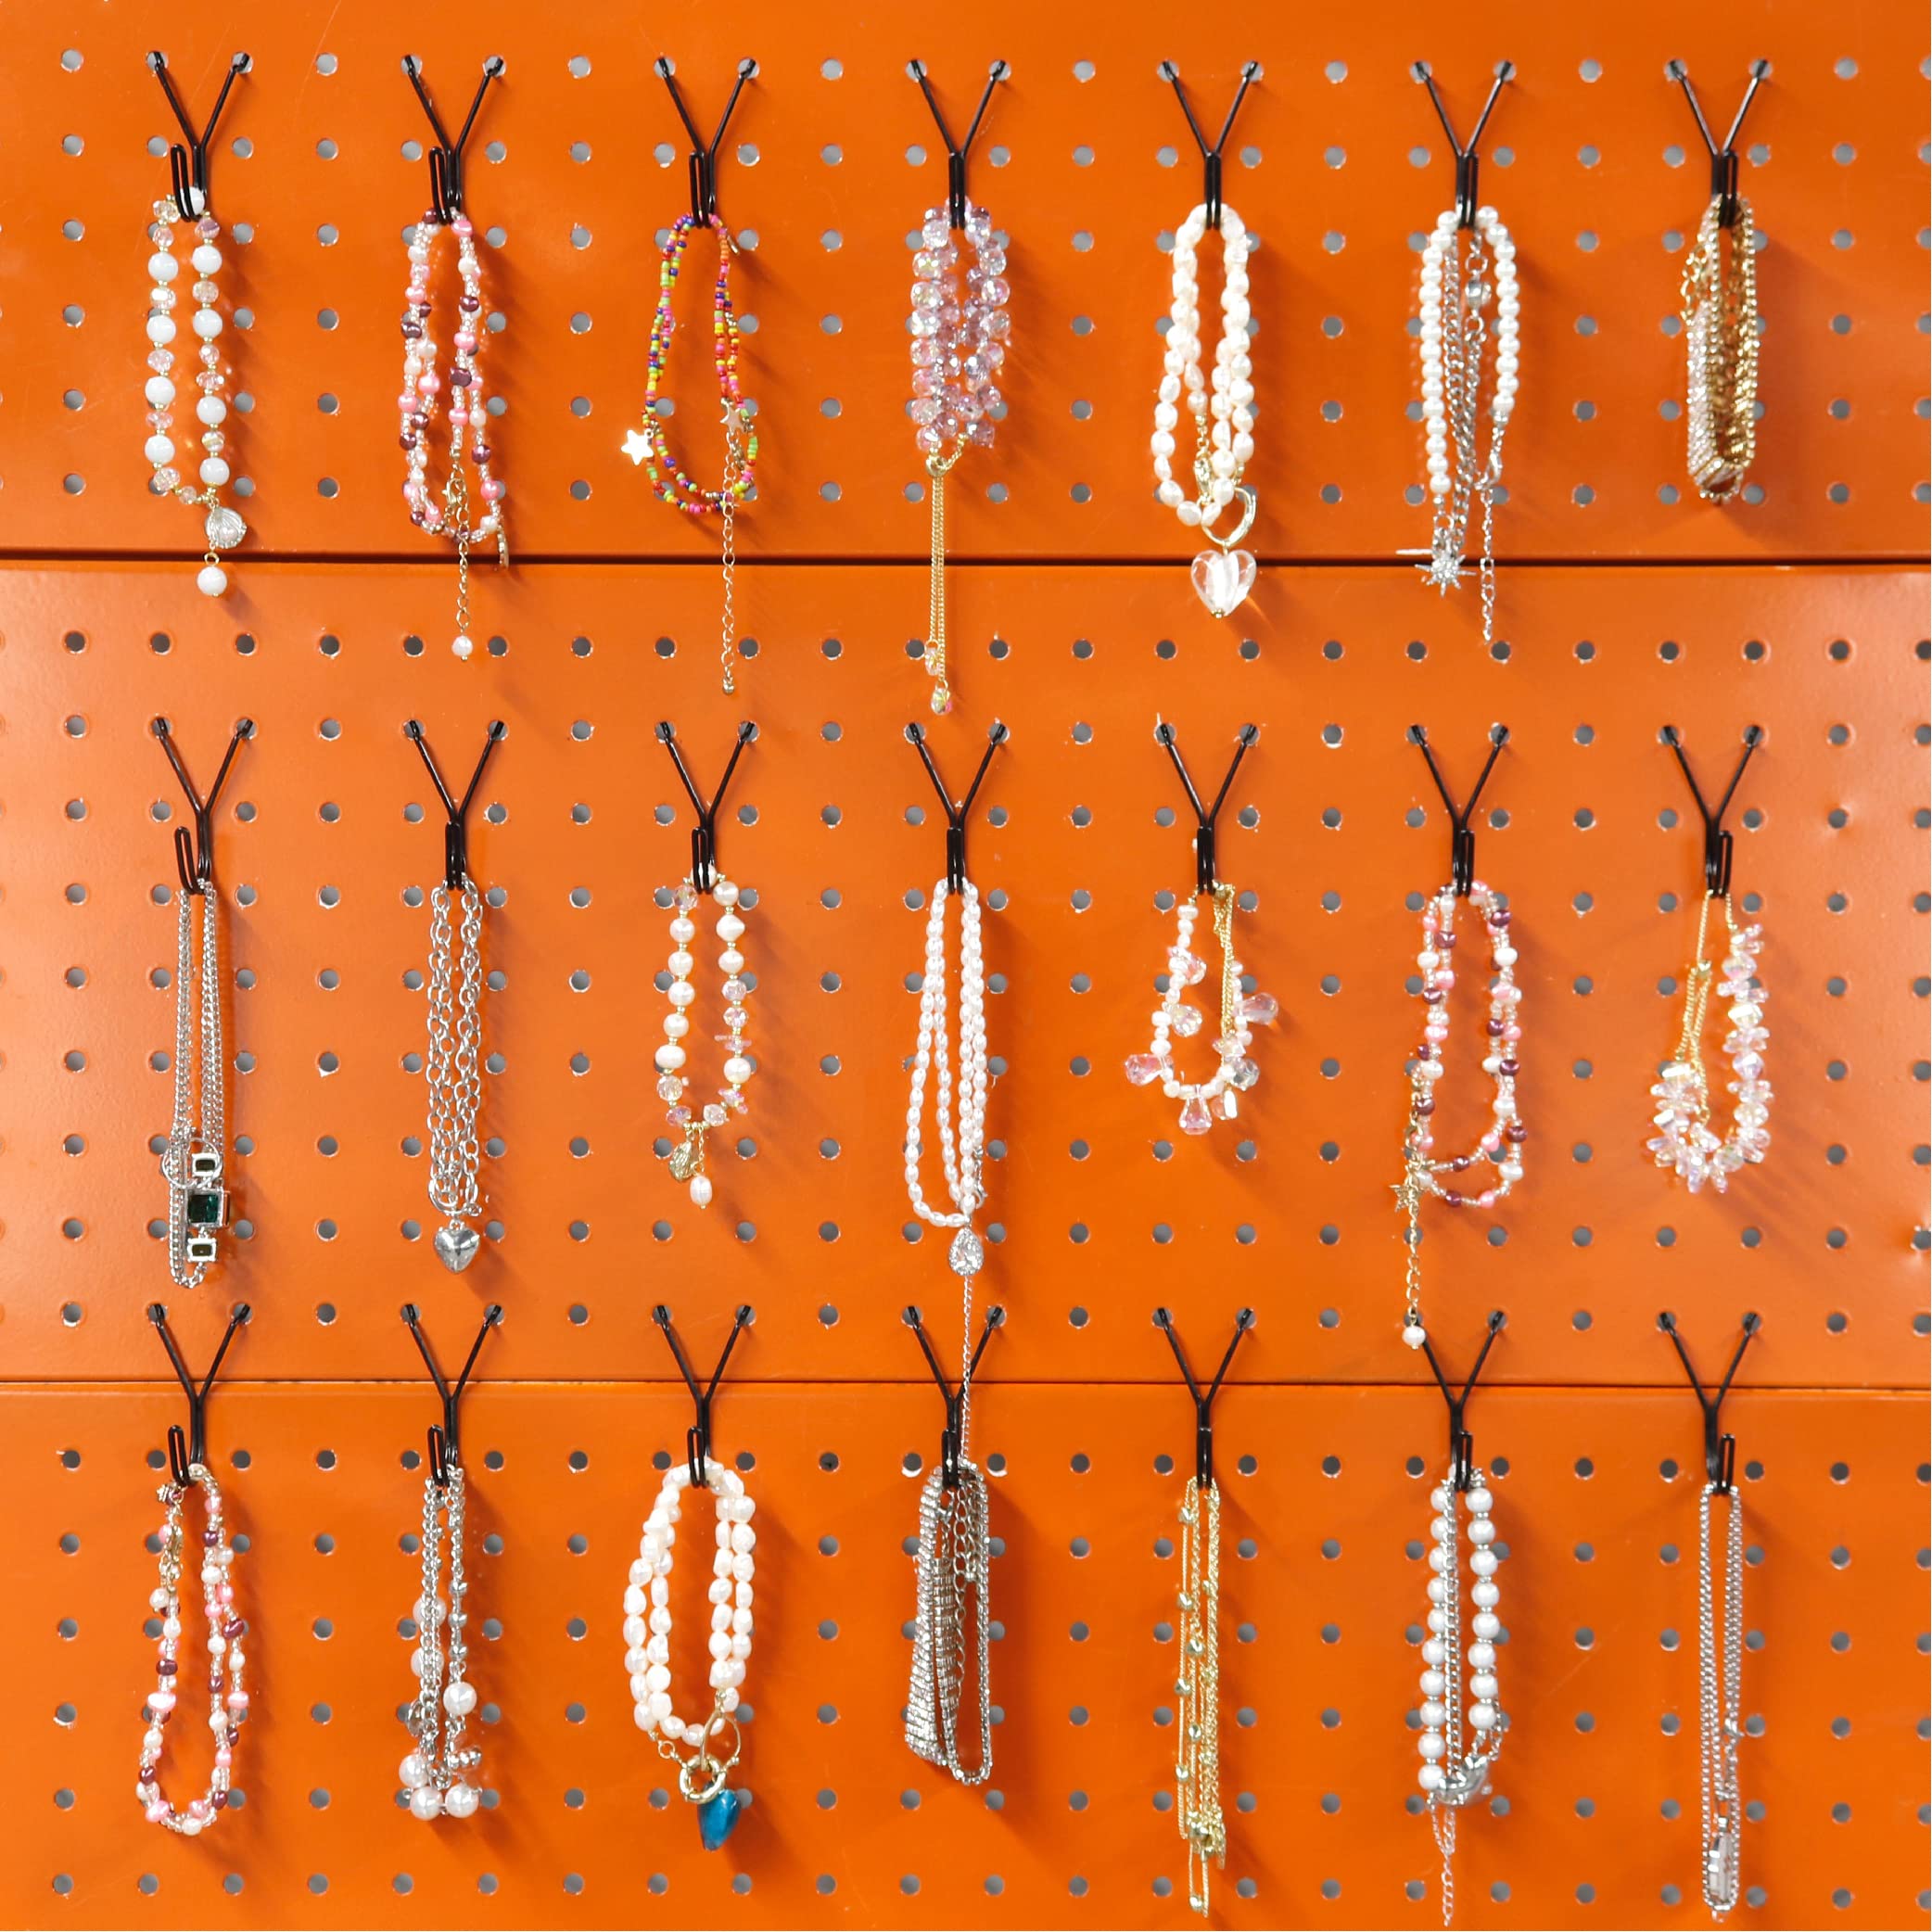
x=716, y=1817
x=225, y=528
x=1222, y=579
x=456, y=1245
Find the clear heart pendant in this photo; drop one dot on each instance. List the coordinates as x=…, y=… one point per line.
x=1222, y=579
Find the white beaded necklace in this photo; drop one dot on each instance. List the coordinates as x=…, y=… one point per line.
x=1223, y=576
x=1456, y=293
x=647, y=1642
x=687, y=1160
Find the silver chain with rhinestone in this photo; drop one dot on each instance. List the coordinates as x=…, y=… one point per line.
x=1720, y=1687
x=450, y=1763
x=452, y=1070
x=953, y=1575
x=198, y=996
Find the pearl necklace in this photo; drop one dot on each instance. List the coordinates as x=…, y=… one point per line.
x=223, y=528
x=1223, y=576
x=1235, y=1074
x=447, y=513
x=1451, y=1776
x=959, y=343
x=962, y=1158
x=687, y=1160
x=441, y=1783
x=647, y=1642
x=1686, y=1143
x=1501, y=1143
x=1453, y=333
x=225, y=1711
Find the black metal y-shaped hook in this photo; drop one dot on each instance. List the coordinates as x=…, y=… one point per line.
x=1205, y=859
x=954, y=813
x=1717, y=841
x=184, y=1449
x=703, y=156
x=456, y=837
x=445, y=155
x=1724, y=159
x=1203, y=1405
x=955, y=1399
x=1720, y=1450
x=187, y=166
x=444, y=1443
x=1467, y=162
x=1461, y=1443
x=195, y=846
x=697, y=1437
x=957, y=151
x=704, y=836
x=1211, y=157
x=1462, y=844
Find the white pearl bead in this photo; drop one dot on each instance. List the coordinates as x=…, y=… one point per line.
x=159, y=449
x=700, y=1190
x=161, y=329
x=211, y=580
x=206, y=258
x=426, y=1802
x=214, y=471
x=210, y=409
x=206, y=323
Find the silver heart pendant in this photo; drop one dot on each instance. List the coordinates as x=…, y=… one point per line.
x=225, y=528
x=1222, y=579
x=456, y=1245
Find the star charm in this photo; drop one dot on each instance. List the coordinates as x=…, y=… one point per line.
x=636, y=446
x=1444, y=571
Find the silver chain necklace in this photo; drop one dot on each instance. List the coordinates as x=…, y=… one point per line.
x=1720, y=1682
x=191, y=1160
x=437, y=1772
x=453, y=1071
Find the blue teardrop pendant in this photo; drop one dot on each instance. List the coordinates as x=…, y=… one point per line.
x=716, y=1817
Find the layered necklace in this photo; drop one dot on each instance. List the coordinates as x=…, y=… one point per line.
x=452, y=1069
x=1500, y=1144
x=650, y=446
x=1222, y=413
x=450, y=512
x=1719, y=1690
x=196, y=1152
x=687, y=1160
x=1203, y=1102
x=959, y=333
x=1686, y=1142
x=1457, y=292
x=1721, y=348
x=953, y=1628
x=1197, y=1770
x=439, y=1774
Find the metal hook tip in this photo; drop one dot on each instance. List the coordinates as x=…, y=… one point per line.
x=156, y=1314
x=1667, y=1322
x=664, y=66
x=661, y=1316
x=412, y=1313
x=747, y=67
x=745, y=1315
x=243, y=1313
x=1244, y=1320
x=243, y=727
x=1505, y=70
x=915, y=734
x=1162, y=1319
x=1420, y=71
x=998, y=735
x=996, y=1315
x=1000, y=70
x=492, y=1315
x=1752, y=1322
x=493, y=68
x=910, y=1315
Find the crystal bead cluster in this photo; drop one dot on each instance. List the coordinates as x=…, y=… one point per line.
x=223, y=527
x=1686, y=1143
x=1223, y=413
x=959, y=327
x=687, y=1160
x=1216, y=1098
x=227, y=1702
x=449, y=513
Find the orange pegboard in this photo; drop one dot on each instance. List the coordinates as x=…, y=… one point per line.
x=1105, y=1208
x=1337, y=163
x=1593, y=1821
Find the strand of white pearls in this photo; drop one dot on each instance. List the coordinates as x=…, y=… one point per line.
x=961, y=1158
x=647, y=1606
x=1441, y=1742
x=673, y=1056
x=225, y=528
x=1223, y=414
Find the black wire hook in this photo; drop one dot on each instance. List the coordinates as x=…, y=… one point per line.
x=1462, y=844
x=1720, y=1450
x=955, y=1400
x=445, y=155
x=702, y=165
x=1205, y=859
x=1717, y=841
x=956, y=152
x=187, y=167
x=456, y=837
x=1203, y=1405
x=195, y=848
x=1467, y=162
x=697, y=1437
x=704, y=836
x=1461, y=1443
x=955, y=814
x=184, y=1449
x=1211, y=157
x=444, y=1445
x=1723, y=160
